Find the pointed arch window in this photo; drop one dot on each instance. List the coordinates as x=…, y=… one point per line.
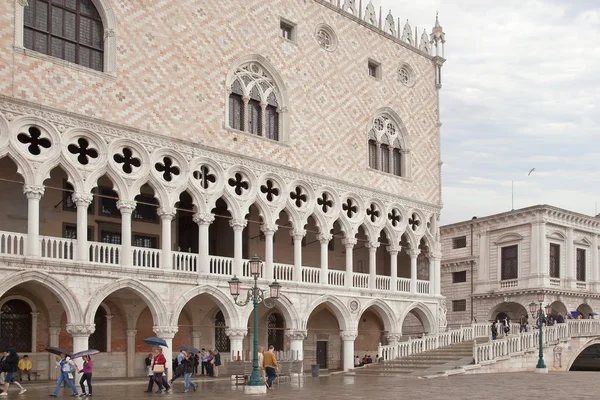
x=16, y=325
x=71, y=30
x=221, y=339
x=255, y=102
x=275, y=331
x=386, y=151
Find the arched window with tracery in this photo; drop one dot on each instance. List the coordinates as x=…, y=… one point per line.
x=71, y=30
x=98, y=338
x=16, y=325
x=255, y=102
x=275, y=331
x=387, y=146
x=221, y=339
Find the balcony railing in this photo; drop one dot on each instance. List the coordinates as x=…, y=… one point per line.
x=15, y=244
x=509, y=283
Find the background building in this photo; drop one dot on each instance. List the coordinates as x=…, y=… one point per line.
x=148, y=149
x=494, y=266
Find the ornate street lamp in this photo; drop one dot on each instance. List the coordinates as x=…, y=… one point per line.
x=541, y=318
x=256, y=295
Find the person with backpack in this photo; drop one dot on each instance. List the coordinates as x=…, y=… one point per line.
x=10, y=366
x=67, y=368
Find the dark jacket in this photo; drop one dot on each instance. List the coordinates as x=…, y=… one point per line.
x=188, y=365
x=217, y=359
x=12, y=360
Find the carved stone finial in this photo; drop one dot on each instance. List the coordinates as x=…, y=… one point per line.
x=390, y=26
x=370, y=15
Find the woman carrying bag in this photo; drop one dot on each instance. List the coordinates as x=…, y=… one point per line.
x=159, y=366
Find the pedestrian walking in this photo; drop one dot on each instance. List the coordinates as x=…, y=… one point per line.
x=188, y=369
x=216, y=362
x=10, y=366
x=270, y=362
x=159, y=367
x=261, y=364
x=494, y=330
x=67, y=367
x=86, y=376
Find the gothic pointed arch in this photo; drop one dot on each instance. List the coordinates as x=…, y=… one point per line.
x=339, y=309
x=224, y=302
x=256, y=100
x=388, y=143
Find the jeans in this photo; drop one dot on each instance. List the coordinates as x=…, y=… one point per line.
x=86, y=377
x=187, y=381
x=271, y=375
x=64, y=377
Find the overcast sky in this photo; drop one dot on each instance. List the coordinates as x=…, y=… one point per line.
x=520, y=91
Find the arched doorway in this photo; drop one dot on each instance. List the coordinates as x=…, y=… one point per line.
x=16, y=326
x=323, y=344
x=418, y=322
x=512, y=310
x=585, y=311
x=98, y=339
x=370, y=333
x=275, y=331
x=558, y=307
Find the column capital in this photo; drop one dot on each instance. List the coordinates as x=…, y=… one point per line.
x=33, y=191
x=413, y=252
x=81, y=329
x=324, y=238
x=23, y=3
x=131, y=332
x=298, y=334
x=126, y=206
x=238, y=224
x=55, y=330
x=109, y=317
x=349, y=242
x=202, y=218
x=372, y=246
x=196, y=334
x=165, y=332
x=298, y=233
x=393, y=337
x=394, y=249
x=34, y=314
x=166, y=213
x=348, y=335
x=268, y=229
x=82, y=199
x=236, y=333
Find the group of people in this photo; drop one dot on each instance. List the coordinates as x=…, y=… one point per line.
x=185, y=364
x=550, y=320
x=67, y=368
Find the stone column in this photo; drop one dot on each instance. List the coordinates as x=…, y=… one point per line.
x=83, y=201
x=595, y=273
x=236, y=338
x=238, y=227
x=54, y=342
x=570, y=260
x=296, y=338
x=298, y=234
x=33, y=193
x=438, y=276
x=166, y=216
x=348, y=338
x=269, y=232
x=109, y=333
x=349, y=245
x=413, y=253
x=203, y=220
x=131, y=352
x=246, y=100
x=197, y=339
x=34, y=318
x=324, y=239
x=372, y=246
x=167, y=333
x=483, y=267
x=432, y=274
x=263, y=119
x=393, y=250
x=81, y=335
x=126, y=208
x=543, y=261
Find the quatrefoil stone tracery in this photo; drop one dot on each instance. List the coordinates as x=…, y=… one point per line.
x=269, y=190
x=34, y=138
x=350, y=208
x=83, y=150
x=394, y=217
x=167, y=168
x=415, y=222
x=205, y=176
x=127, y=160
x=325, y=202
x=238, y=184
x=298, y=197
x=373, y=213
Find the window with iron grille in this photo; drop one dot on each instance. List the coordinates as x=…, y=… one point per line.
x=460, y=276
x=108, y=203
x=146, y=208
x=67, y=29
x=459, y=305
x=236, y=111
x=554, y=260
x=98, y=338
x=15, y=326
x=509, y=262
x=221, y=339
x=272, y=122
x=459, y=242
x=275, y=331
x=581, y=265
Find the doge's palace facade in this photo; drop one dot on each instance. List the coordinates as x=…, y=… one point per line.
x=149, y=149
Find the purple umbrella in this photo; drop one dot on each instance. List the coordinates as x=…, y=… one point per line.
x=58, y=351
x=88, y=352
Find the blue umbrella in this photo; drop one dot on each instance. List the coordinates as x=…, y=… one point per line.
x=88, y=352
x=155, y=341
x=58, y=351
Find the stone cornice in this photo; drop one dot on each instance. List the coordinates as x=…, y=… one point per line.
x=459, y=261
x=12, y=108
x=534, y=291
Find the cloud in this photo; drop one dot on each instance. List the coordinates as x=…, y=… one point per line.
x=521, y=90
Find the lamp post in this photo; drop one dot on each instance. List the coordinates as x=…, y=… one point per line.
x=256, y=295
x=541, y=317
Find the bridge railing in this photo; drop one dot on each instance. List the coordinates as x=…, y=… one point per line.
x=529, y=341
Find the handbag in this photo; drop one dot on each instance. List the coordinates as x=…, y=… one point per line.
x=158, y=368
